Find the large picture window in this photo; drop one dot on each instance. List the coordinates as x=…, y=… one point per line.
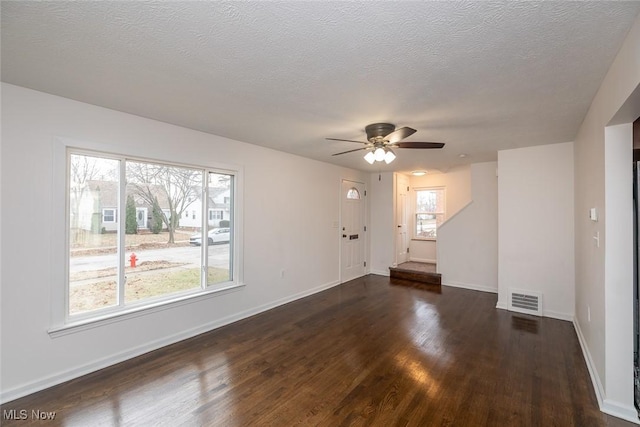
x=127, y=247
x=430, y=212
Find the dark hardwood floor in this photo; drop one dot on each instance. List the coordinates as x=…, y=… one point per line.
x=363, y=353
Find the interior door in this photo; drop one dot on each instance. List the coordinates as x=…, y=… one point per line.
x=402, y=218
x=352, y=227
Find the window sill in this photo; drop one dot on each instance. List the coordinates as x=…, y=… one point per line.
x=131, y=313
x=424, y=239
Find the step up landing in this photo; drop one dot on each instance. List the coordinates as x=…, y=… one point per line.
x=415, y=273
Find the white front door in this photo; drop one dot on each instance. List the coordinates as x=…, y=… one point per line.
x=141, y=217
x=352, y=228
x=401, y=217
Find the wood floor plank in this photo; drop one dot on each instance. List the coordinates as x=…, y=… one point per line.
x=364, y=353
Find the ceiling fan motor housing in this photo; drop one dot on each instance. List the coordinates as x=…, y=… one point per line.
x=381, y=137
x=379, y=130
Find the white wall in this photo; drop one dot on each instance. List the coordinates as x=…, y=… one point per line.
x=536, y=240
x=468, y=241
x=382, y=227
x=608, y=353
x=457, y=182
x=291, y=206
x=423, y=250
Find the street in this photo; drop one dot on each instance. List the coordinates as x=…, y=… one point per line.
x=218, y=257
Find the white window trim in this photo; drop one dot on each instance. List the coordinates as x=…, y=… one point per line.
x=60, y=321
x=133, y=312
x=415, y=211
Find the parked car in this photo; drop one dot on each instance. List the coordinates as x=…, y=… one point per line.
x=217, y=235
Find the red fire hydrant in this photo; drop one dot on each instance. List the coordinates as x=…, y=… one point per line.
x=133, y=259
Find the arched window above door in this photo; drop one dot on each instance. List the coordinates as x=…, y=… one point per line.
x=353, y=194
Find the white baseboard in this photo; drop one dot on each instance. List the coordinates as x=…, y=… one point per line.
x=624, y=412
x=428, y=261
x=60, y=377
x=472, y=287
x=501, y=305
x=593, y=373
x=379, y=272
x=558, y=315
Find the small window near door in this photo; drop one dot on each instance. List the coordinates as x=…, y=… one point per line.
x=430, y=212
x=353, y=194
x=108, y=215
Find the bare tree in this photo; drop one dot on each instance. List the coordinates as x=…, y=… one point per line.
x=82, y=169
x=171, y=185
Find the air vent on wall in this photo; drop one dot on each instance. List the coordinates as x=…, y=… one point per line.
x=525, y=302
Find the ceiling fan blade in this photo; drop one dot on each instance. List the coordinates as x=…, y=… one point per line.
x=416, y=144
x=399, y=134
x=351, y=151
x=346, y=140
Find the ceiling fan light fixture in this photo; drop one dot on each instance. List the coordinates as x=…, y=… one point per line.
x=370, y=157
x=379, y=154
x=389, y=156
x=381, y=137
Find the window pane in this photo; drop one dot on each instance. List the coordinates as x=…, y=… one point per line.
x=93, y=232
x=430, y=201
x=353, y=194
x=109, y=215
x=215, y=214
x=158, y=257
x=220, y=228
x=427, y=225
x=430, y=211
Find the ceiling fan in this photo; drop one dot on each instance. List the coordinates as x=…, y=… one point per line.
x=381, y=138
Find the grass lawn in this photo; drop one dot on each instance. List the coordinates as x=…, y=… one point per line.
x=140, y=286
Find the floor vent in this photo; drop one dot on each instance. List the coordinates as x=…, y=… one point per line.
x=525, y=302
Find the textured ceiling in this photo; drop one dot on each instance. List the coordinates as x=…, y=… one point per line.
x=479, y=76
